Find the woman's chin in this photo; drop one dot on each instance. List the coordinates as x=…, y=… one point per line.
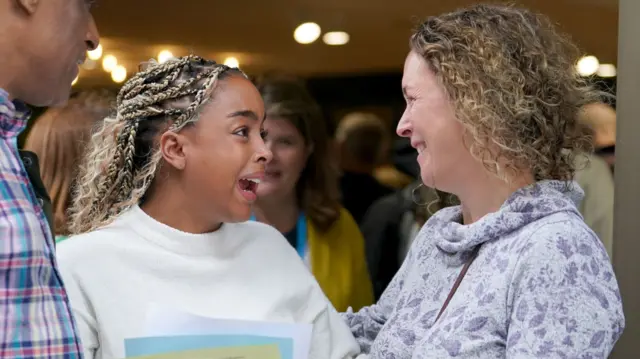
x=266, y=192
x=427, y=178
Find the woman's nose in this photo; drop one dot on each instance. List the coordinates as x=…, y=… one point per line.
x=404, y=128
x=264, y=153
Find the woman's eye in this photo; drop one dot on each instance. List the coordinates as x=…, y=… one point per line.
x=264, y=134
x=285, y=142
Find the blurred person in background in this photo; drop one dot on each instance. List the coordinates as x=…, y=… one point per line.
x=399, y=173
x=492, y=109
x=42, y=43
x=601, y=119
x=594, y=171
x=58, y=138
x=362, y=142
x=392, y=223
x=299, y=195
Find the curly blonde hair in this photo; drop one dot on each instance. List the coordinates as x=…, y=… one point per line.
x=512, y=80
x=123, y=156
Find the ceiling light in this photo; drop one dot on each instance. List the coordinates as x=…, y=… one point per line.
x=119, y=74
x=95, y=54
x=109, y=63
x=164, y=56
x=588, y=65
x=232, y=62
x=335, y=38
x=607, y=70
x=307, y=33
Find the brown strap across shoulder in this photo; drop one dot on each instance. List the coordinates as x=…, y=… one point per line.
x=464, y=270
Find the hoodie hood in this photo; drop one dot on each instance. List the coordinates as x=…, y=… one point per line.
x=526, y=205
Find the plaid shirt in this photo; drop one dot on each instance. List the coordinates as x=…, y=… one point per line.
x=35, y=319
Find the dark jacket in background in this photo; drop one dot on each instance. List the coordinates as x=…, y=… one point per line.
x=381, y=230
x=359, y=191
x=388, y=227
x=32, y=166
x=405, y=157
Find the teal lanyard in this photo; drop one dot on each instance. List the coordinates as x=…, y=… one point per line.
x=301, y=234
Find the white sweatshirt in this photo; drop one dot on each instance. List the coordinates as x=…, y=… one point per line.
x=243, y=271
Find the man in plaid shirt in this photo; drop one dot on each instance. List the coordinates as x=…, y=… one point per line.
x=42, y=43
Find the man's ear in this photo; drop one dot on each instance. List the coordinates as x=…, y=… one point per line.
x=28, y=6
x=172, y=149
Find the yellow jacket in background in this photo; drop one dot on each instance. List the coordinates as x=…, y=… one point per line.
x=338, y=263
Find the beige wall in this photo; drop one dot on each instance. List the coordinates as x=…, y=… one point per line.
x=626, y=245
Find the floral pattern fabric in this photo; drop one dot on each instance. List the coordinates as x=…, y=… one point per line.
x=542, y=286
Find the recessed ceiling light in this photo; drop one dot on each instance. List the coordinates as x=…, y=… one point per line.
x=95, y=54
x=164, y=56
x=607, y=70
x=588, y=65
x=119, y=74
x=335, y=38
x=307, y=33
x=232, y=62
x=109, y=63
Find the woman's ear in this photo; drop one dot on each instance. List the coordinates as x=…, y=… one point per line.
x=172, y=149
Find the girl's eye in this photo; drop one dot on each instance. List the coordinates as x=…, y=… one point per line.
x=244, y=132
x=264, y=134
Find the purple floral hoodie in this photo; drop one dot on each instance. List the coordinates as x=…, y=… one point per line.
x=542, y=286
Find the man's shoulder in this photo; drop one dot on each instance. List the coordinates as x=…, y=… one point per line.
x=9, y=156
x=14, y=182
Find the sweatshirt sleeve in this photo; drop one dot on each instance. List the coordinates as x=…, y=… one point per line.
x=368, y=321
x=331, y=338
x=564, y=299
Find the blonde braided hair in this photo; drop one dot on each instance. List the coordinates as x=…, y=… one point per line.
x=123, y=156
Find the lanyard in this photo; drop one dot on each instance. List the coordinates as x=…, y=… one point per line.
x=301, y=234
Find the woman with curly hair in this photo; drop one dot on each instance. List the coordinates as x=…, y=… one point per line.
x=513, y=272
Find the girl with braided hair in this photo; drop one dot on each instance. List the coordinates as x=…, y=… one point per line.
x=160, y=215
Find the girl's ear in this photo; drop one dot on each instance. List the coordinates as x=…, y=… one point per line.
x=29, y=6
x=172, y=149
